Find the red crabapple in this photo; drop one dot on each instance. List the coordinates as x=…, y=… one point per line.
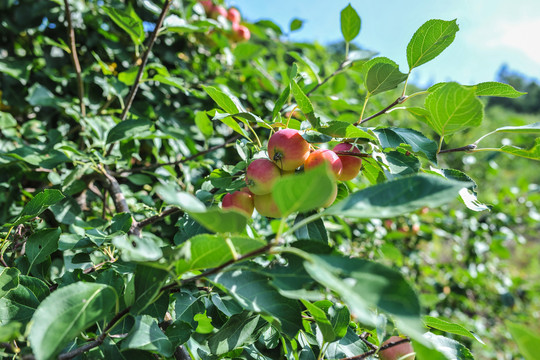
x=240, y=32
x=234, y=15
x=351, y=164
x=321, y=156
x=288, y=149
x=239, y=200
x=397, y=352
x=261, y=175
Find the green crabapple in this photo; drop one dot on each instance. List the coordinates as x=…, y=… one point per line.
x=261, y=175
x=288, y=149
x=351, y=164
x=321, y=156
x=266, y=206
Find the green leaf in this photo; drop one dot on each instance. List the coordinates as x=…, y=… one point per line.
x=304, y=103
x=312, y=68
x=238, y=331
x=283, y=97
x=467, y=193
x=179, y=332
x=449, y=327
x=526, y=339
x=342, y=129
x=382, y=77
x=322, y=321
x=394, y=137
x=146, y=335
x=176, y=82
x=7, y=120
x=148, y=283
x=36, y=286
x=208, y=251
x=18, y=304
x=429, y=41
x=398, y=197
x=254, y=292
x=451, y=349
x=453, y=107
x=493, y=88
x=10, y=331
x=524, y=129
x=315, y=137
x=304, y=192
x=9, y=279
x=41, y=244
x=129, y=21
x=313, y=231
x=400, y=164
x=533, y=153
x=204, y=124
x=224, y=101
x=221, y=220
x=350, y=23
x=295, y=24
x=349, y=346
x=340, y=318
x=134, y=248
x=37, y=205
x=129, y=129
x=65, y=313
x=363, y=285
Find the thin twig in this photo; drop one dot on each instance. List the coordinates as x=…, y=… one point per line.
x=212, y=271
x=364, y=337
x=398, y=101
x=75, y=58
x=118, y=197
x=155, y=218
x=463, y=148
x=340, y=68
x=144, y=60
x=98, y=340
x=181, y=161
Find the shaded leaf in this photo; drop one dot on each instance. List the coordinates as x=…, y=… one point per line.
x=146, y=335
x=313, y=231
x=128, y=20
x=393, y=137
x=129, y=129
x=527, y=340
x=239, y=330
x=41, y=244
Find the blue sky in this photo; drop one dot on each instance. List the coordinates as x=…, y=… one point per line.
x=491, y=32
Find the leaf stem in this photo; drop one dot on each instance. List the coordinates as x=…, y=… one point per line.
x=363, y=108
x=440, y=144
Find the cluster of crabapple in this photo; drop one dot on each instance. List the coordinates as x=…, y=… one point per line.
x=288, y=151
x=239, y=31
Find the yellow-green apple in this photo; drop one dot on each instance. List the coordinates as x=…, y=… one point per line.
x=321, y=156
x=403, y=351
x=266, y=206
x=288, y=149
x=239, y=200
x=351, y=164
x=261, y=175
x=332, y=196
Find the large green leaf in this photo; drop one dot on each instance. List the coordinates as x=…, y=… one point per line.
x=350, y=23
x=226, y=102
x=382, y=77
x=37, y=205
x=450, y=349
x=128, y=20
x=398, y=197
x=429, y=41
x=313, y=231
x=129, y=129
x=449, y=327
x=526, y=339
x=304, y=103
x=365, y=285
x=254, y=292
x=393, y=137
x=148, y=283
x=208, y=251
x=304, y=192
x=493, y=88
x=532, y=153
x=41, y=244
x=9, y=279
x=18, y=304
x=453, y=107
x=134, y=248
x=342, y=129
x=146, y=335
x=239, y=330
x=67, y=312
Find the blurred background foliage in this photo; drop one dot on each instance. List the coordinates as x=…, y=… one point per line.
x=476, y=268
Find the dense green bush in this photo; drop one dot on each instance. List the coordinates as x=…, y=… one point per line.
x=124, y=124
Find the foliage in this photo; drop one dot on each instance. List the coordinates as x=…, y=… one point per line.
x=123, y=126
